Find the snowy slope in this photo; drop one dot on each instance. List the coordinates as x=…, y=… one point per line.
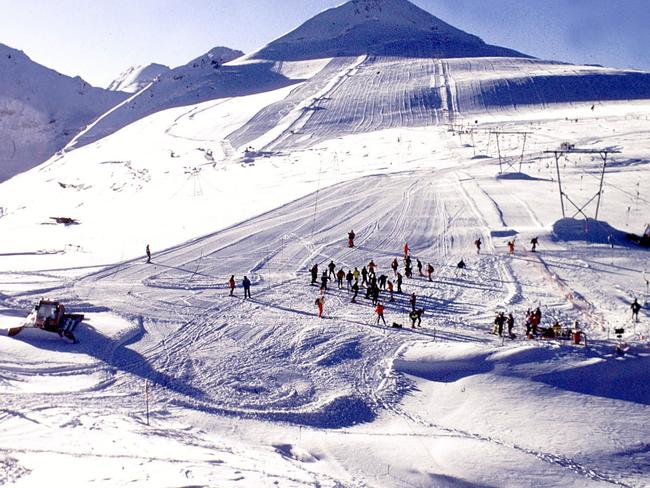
x=262, y=392
x=136, y=78
x=41, y=110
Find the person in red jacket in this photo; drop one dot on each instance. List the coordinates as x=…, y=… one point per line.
x=320, y=302
x=429, y=271
x=232, y=284
x=379, y=310
x=406, y=250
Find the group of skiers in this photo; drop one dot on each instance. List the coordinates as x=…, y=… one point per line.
x=354, y=280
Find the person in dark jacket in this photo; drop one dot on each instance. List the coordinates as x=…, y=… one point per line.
x=332, y=268
x=419, y=265
x=323, y=281
x=364, y=276
x=636, y=308
x=429, y=271
x=246, y=283
x=148, y=251
x=349, y=278
x=416, y=316
x=413, y=300
x=314, y=274
x=351, y=236
x=399, y=282
x=355, y=289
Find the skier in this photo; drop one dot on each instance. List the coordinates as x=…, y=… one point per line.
x=636, y=308
x=231, y=283
x=408, y=271
x=478, y=243
x=461, y=266
x=511, y=323
x=364, y=276
x=351, y=236
x=371, y=266
x=374, y=294
x=499, y=321
x=382, y=281
x=416, y=316
x=511, y=247
x=356, y=274
x=399, y=282
x=320, y=303
x=379, y=310
x=534, y=242
x=332, y=267
x=536, y=320
x=340, y=276
x=314, y=274
x=246, y=283
x=355, y=289
x=419, y=264
x=413, y=300
x=394, y=265
x=406, y=250
x=323, y=281
x=390, y=290
x=148, y=251
x=349, y=278
x=429, y=271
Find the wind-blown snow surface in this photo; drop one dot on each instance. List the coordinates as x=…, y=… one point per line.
x=41, y=110
x=261, y=392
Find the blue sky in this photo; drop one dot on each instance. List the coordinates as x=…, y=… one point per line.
x=97, y=39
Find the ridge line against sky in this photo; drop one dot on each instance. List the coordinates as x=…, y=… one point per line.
x=99, y=39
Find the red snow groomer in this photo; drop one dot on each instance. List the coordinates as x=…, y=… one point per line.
x=50, y=316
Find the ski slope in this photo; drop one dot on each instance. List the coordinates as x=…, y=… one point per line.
x=277, y=395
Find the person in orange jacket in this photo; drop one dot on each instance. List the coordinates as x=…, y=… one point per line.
x=511, y=247
x=379, y=310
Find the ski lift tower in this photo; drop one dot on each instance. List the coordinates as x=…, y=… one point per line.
x=568, y=149
x=502, y=160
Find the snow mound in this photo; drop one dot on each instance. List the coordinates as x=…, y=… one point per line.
x=136, y=78
x=381, y=27
x=592, y=231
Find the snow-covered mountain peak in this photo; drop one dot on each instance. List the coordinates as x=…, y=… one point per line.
x=382, y=27
x=135, y=78
x=216, y=57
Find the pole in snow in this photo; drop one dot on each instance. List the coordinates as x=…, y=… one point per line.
x=146, y=398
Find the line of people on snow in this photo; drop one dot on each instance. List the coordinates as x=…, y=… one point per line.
x=534, y=242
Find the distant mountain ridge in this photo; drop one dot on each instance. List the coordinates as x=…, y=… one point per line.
x=41, y=110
